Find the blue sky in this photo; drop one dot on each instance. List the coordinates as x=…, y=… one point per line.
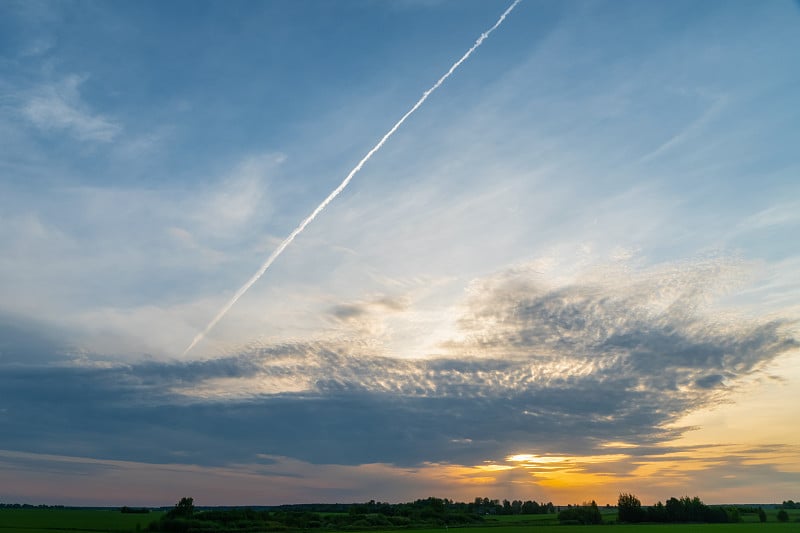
x=580, y=251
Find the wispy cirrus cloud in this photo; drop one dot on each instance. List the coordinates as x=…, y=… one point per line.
x=59, y=107
x=781, y=214
x=78, y=247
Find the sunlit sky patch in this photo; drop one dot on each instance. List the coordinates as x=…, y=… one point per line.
x=571, y=273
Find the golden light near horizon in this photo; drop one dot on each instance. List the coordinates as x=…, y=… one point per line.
x=532, y=459
x=576, y=475
x=618, y=444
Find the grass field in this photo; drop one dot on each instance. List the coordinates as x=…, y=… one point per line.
x=112, y=521
x=72, y=520
x=769, y=527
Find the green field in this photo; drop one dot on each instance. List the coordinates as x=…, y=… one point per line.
x=112, y=521
x=769, y=527
x=72, y=520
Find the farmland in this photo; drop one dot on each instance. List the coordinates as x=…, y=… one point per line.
x=62, y=520
x=66, y=520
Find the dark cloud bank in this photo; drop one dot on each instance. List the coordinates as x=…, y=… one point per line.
x=539, y=370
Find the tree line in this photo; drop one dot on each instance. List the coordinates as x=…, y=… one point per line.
x=29, y=506
x=480, y=506
x=428, y=512
x=685, y=509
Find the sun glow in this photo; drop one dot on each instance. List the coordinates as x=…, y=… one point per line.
x=618, y=444
x=564, y=473
x=531, y=459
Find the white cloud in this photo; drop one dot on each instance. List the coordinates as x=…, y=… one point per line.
x=780, y=214
x=239, y=197
x=59, y=107
x=113, y=263
x=37, y=47
x=603, y=321
x=690, y=131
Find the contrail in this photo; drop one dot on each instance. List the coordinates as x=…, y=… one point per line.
x=299, y=229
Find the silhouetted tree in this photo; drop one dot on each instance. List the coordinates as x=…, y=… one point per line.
x=184, y=508
x=630, y=508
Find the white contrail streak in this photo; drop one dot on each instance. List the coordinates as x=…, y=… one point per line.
x=299, y=229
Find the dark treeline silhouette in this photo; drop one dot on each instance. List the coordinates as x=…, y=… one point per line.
x=134, y=510
x=517, y=507
x=586, y=514
x=429, y=512
x=29, y=506
x=480, y=506
x=675, y=510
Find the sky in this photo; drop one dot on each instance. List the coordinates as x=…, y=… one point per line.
x=571, y=273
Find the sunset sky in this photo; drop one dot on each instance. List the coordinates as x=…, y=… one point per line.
x=572, y=272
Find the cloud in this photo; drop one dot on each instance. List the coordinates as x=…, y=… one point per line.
x=709, y=382
x=37, y=47
x=348, y=311
x=533, y=363
x=729, y=472
x=690, y=131
x=781, y=214
x=617, y=357
x=59, y=107
x=368, y=319
x=115, y=262
x=25, y=341
x=232, y=203
x=270, y=480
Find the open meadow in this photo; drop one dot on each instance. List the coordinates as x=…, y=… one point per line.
x=106, y=520
x=73, y=520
